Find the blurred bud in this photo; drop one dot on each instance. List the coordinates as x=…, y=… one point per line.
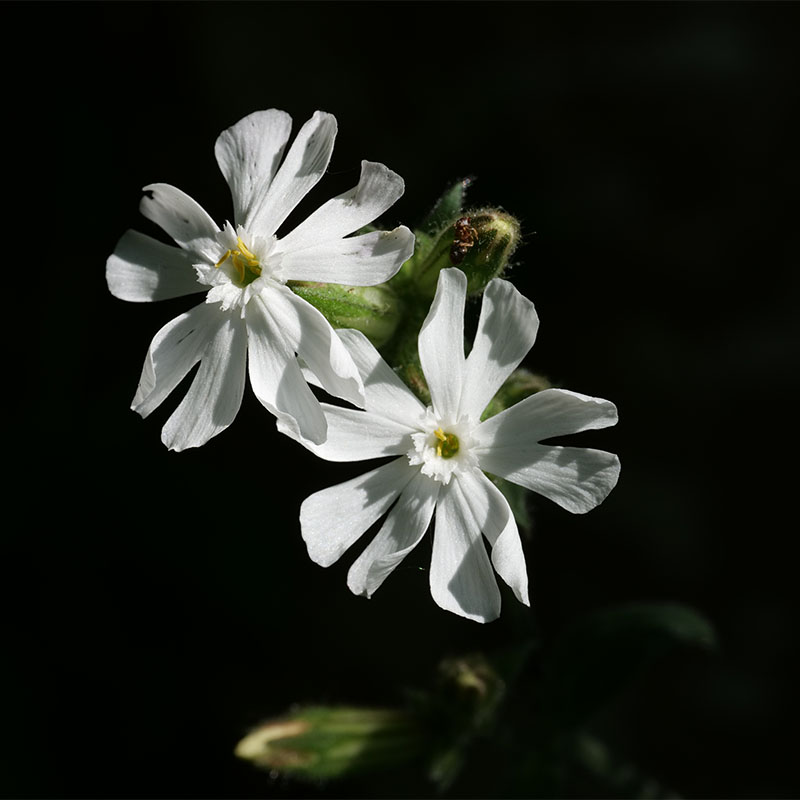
x=479, y=243
x=319, y=742
x=472, y=684
x=520, y=384
x=373, y=310
x=468, y=695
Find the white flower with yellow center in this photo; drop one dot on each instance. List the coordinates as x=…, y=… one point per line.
x=251, y=322
x=443, y=452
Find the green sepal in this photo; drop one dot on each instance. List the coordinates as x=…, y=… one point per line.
x=447, y=208
x=479, y=242
x=376, y=311
x=402, y=351
x=498, y=237
x=445, y=211
x=321, y=742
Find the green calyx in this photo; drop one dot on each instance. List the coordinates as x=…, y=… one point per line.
x=320, y=742
x=479, y=242
x=376, y=311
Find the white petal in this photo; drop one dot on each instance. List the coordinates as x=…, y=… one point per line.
x=333, y=519
x=377, y=190
x=577, y=478
x=175, y=349
x=365, y=260
x=304, y=165
x=462, y=580
x=248, y=153
x=213, y=399
x=142, y=269
x=182, y=218
x=398, y=536
x=495, y=519
x=549, y=413
x=384, y=393
x=441, y=343
x=318, y=346
x=506, y=331
x=355, y=435
x=276, y=377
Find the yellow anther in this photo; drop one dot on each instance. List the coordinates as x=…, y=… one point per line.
x=243, y=250
x=440, y=435
x=223, y=259
x=242, y=259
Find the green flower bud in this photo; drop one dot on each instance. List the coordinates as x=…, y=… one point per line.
x=479, y=243
x=318, y=742
x=373, y=310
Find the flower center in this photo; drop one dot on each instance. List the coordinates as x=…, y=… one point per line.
x=442, y=447
x=447, y=446
x=244, y=262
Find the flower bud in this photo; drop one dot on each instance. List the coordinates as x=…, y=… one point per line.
x=318, y=742
x=479, y=243
x=373, y=310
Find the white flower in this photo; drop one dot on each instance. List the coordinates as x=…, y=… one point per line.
x=251, y=321
x=443, y=451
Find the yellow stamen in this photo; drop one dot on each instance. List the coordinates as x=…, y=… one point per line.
x=223, y=259
x=243, y=250
x=242, y=259
x=440, y=435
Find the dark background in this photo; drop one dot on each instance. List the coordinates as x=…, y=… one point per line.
x=160, y=603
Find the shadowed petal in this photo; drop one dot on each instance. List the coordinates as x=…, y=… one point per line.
x=384, y=393
x=365, y=260
x=317, y=344
x=462, y=580
x=214, y=397
x=142, y=269
x=304, y=165
x=355, y=435
x=377, y=190
x=495, y=519
x=399, y=535
x=506, y=331
x=276, y=377
x=174, y=350
x=248, y=154
x=549, y=413
x=333, y=519
x=577, y=478
x=182, y=218
x=441, y=343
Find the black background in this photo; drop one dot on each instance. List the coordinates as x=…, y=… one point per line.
x=160, y=603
